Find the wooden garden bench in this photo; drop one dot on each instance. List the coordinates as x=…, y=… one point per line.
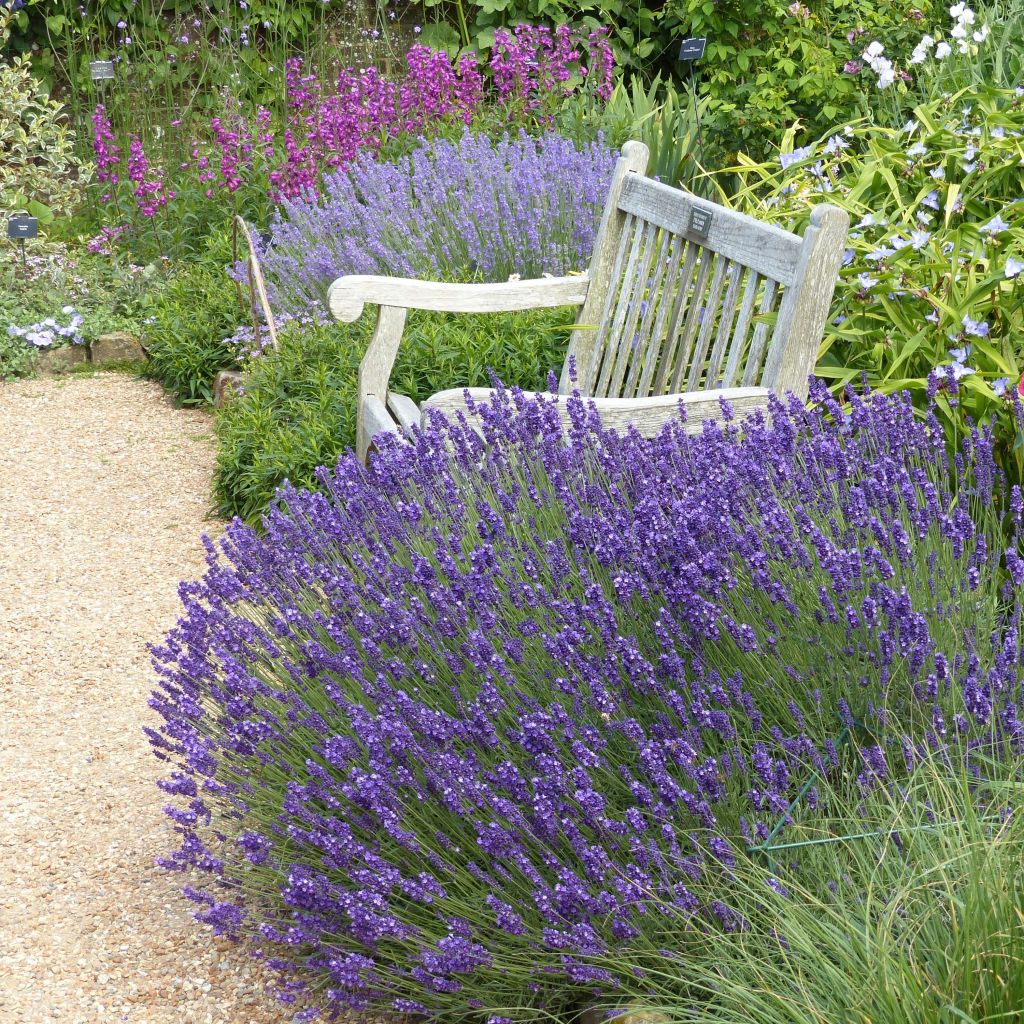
x=684, y=300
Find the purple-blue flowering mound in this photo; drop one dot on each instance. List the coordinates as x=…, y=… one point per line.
x=452, y=736
x=471, y=209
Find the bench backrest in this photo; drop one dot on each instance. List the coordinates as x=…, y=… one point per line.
x=687, y=295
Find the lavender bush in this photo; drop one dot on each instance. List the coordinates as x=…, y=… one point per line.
x=455, y=732
x=472, y=209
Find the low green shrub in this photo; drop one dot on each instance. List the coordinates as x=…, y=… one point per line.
x=931, y=295
x=187, y=322
x=40, y=173
x=298, y=409
x=61, y=284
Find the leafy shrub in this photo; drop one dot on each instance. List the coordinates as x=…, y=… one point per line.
x=104, y=294
x=187, y=322
x=931, y=296
x=298, y=410
x=454, y=733
x=451, y=210
x=767, y=64
x=40, y=173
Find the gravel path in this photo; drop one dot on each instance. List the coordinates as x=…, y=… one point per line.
x=104, y=495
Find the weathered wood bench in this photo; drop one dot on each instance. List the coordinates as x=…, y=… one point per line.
x=684, y=300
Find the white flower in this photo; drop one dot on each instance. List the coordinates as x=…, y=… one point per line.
x=959, y=31
x=918, y=149
x=982, y=34
x=68, y=310
x=956, y=10
x=874, y=49
x=1013, y=268
x=886, y=77
x=967, y=17
x=943, y=50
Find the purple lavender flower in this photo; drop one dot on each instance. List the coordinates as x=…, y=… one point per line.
x=456, y=210
x=503, y=702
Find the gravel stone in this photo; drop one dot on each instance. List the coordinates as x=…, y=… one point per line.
x=105, y=495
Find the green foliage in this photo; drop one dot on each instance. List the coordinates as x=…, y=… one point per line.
x=770, y=64
x=164, y=51
x=931, y=268
x=656, y=113
x=186, y=323
x=39, y=173
x=917, y=921
x=298, y=409
x=766, y=64
x=106, y=291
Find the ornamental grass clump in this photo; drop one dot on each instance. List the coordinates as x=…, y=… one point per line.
x=460, y=734
x=472, y=209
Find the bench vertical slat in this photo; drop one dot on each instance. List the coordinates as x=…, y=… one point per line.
x=739, y=335
x=658, y=348
x=736, y=272
x=695, y=299
x=679, y=307
x=603, y=273
x=628, y=309
x=604, y=356
x=588, y=374
x=707, y=323
x=646, y=338
x=757, y=343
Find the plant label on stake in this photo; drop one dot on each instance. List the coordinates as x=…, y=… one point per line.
x=20, y=228
x=101, y=70
x=690, y=51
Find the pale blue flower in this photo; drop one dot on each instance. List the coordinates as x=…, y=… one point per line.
x=1012, y=267
x=918, y=149
x=995, y=226
x=938, y=173
x=786, y=159
x=835, y=144
x=959, y=370
x=881, y=253
x=867, y=281
x=932, y=199
x=979, y=328
x=919, y=239
x=961, y=354
x=1000, y=386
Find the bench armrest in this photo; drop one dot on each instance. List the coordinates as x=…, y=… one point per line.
x=348, y=295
